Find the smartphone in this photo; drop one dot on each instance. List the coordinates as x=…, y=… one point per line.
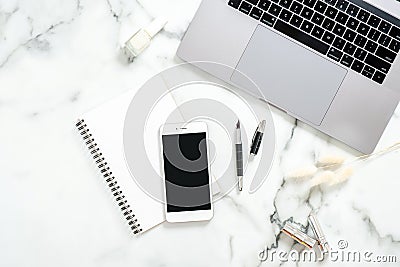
x=186, y=172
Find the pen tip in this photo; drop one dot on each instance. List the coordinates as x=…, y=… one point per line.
x=261, y=126
x=238, y=124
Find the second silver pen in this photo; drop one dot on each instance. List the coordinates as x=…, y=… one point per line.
x=239, y=156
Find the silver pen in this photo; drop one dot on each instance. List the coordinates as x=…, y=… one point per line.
x=317, y=229
x=239, y=156
x=292, y=231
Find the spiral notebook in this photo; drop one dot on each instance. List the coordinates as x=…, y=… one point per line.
x=102, y=132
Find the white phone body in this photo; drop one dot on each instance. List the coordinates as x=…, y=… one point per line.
x=185, y=214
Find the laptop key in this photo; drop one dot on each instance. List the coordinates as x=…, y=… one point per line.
x=371, y=46
x=285, y=3
x=296, y=21
x=349, y=35
x=320, y=7
x=301, y=37
x=342, y=5
x=339, y=43
x=339, y=30
x=234, y=3
x=368, y=71
x=335, y=54
x=352, y=23
x=395, y=33
x=360, y=41
x=357, y=66
x=331, y=12
x=275, y=10
x=384, y=26
x=256, y=13
x=374, y=21
x=317, y=32
x=264, y=5
x=328, y=37
x=309, y=3
x=328, y=24
x=268, y=19
x=296, y=7
x=307, y=13
x=377, y=63
x=349, y=49
x=342, y=18
x=395, y=45
x=374, y=35
x=245, y=7
x=379, y=77
x=363, y=16
x=352, y=10
x=386, y=54
x=360, y=54
x=384, y=40
x=307, y=26
x=285, y=15
x=347, y=60
x=254, y=2
x=317, y=18
x=363, y=29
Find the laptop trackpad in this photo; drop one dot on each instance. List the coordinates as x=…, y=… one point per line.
x=289, y=76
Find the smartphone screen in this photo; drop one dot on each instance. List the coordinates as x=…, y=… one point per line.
x=186, y=172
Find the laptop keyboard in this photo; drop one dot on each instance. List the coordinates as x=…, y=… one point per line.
x=338, y=29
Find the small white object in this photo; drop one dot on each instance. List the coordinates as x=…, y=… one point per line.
x=142, y=38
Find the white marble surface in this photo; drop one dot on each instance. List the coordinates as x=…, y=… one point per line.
x=60, y=58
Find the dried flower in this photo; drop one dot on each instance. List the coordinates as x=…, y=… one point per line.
x=330, y=161
x=324, y=177
x=342, y=176
x=302, y=173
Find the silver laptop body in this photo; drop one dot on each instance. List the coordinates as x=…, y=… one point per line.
x=332, y=64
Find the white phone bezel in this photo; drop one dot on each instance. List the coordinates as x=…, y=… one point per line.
x=186, y=216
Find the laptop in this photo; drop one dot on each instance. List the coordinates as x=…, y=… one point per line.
x=332, y=64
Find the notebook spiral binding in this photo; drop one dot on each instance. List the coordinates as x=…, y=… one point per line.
x=110, y=180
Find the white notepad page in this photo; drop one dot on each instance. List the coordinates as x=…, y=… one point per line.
x=106, y=124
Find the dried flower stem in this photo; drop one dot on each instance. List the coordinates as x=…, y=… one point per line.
x=365, y=157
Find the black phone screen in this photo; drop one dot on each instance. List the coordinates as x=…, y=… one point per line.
x=186, y=172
